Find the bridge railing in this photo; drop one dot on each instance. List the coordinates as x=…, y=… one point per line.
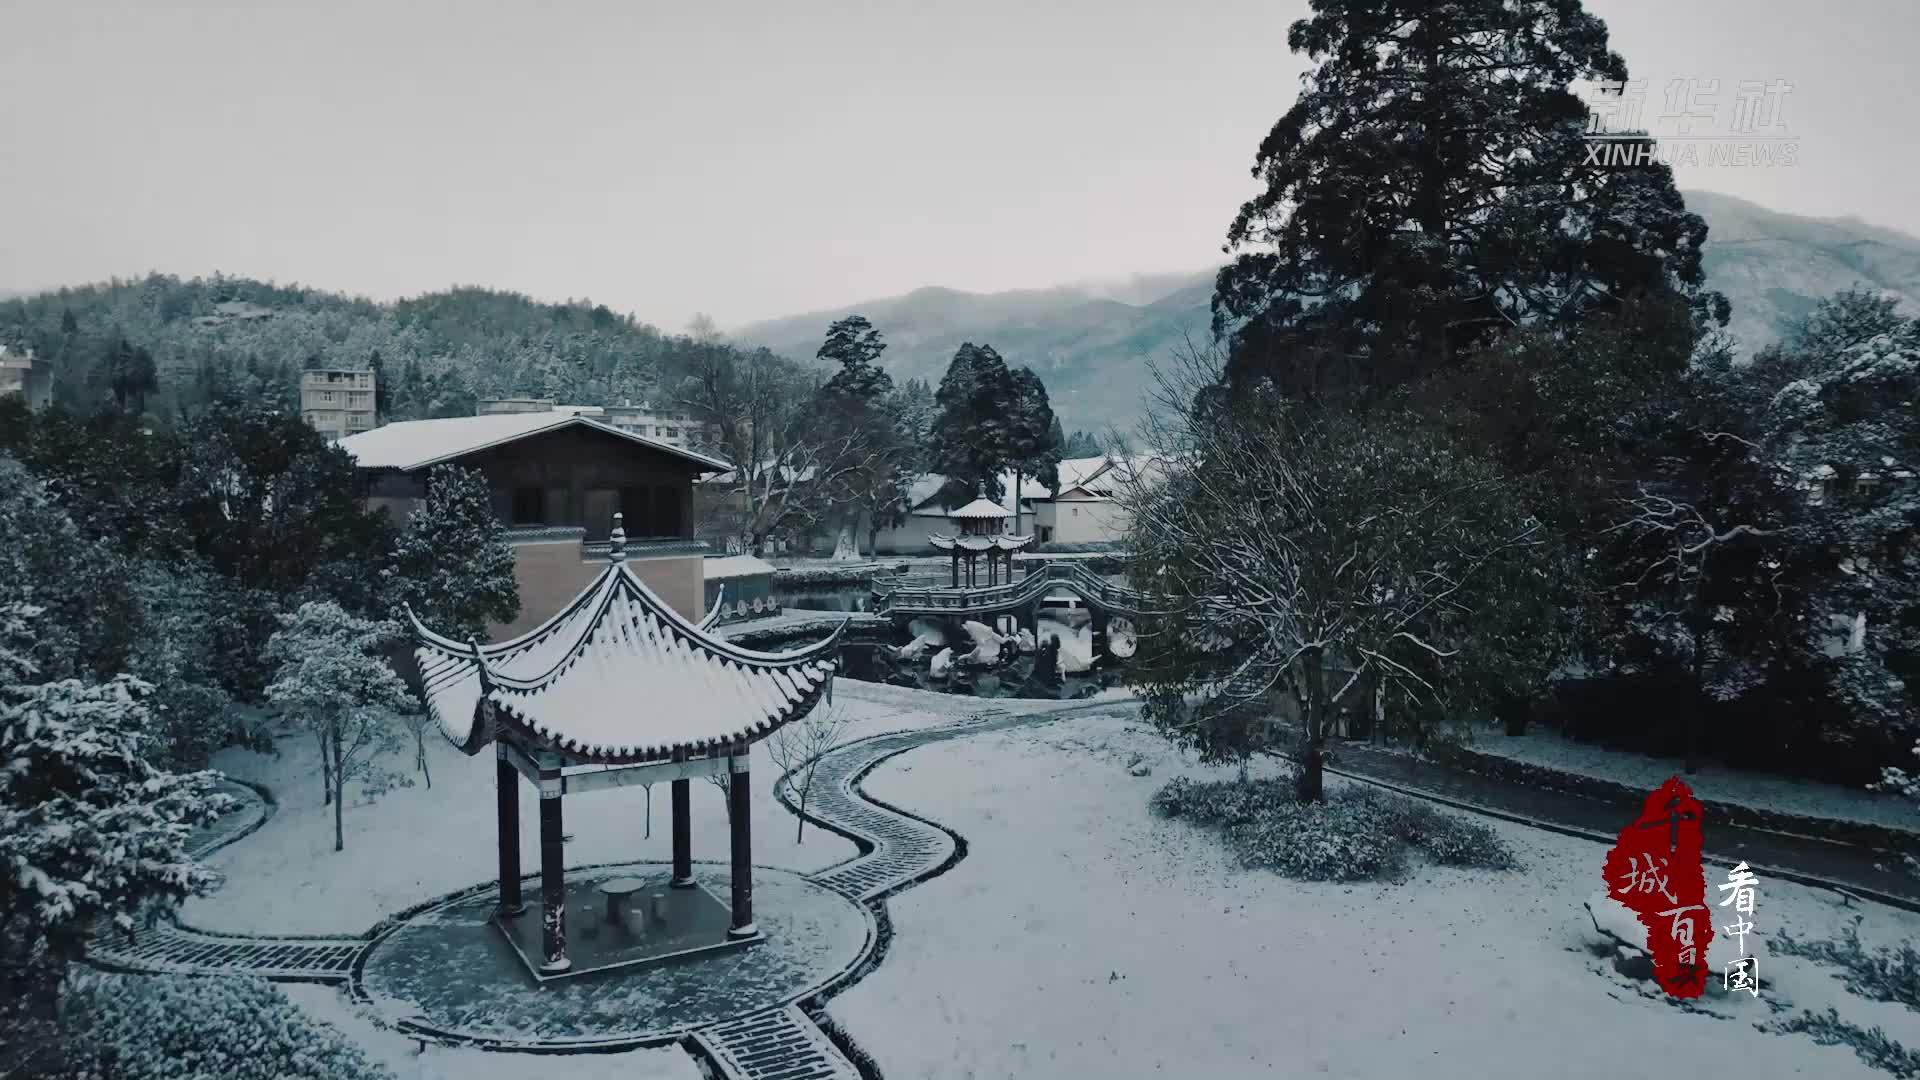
x=992, y=597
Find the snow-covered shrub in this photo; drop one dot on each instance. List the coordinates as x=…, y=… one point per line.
x=1883, y=975
x=1870, y=1045
x=1448, y=839
x=1219, y=802
x=1332, y=840
x=1352, y=835
x=177, y=1027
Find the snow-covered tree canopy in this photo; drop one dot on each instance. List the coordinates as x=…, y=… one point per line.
x=88, y=827
x=1326, y=555
x=1428, y=188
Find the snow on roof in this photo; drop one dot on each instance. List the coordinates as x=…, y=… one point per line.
x=981, y=510
x=618, y=677
x=924, y=487
x=735, y=566
x=921, y=493
x=1077, y=471
x=415, y=444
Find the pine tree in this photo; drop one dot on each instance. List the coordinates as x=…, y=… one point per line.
x=1034, y=439
x=1429, y=189
x=451, y=563
x=972, y=439
x=89, y=828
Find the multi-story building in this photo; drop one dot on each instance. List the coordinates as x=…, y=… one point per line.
x=20, y=375
x=675, y=427
x=555, y=478
x=338, y=403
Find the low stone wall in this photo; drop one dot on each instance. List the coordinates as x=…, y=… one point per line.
x=859, y=573
x=1864, y=834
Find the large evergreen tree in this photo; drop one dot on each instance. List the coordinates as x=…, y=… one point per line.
x=1034, y=437
x=451, y=564
x=973, y=433
x=1429, y=188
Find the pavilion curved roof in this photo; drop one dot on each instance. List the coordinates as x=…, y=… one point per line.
x=981, y=509
x=618, y=677
x=977, y=544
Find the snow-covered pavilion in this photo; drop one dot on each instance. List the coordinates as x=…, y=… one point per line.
x=982, y=533
x=617, y=689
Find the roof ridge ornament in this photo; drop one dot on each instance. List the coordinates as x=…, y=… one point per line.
x=617, y=541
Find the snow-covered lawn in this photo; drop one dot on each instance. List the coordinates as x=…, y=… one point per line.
x=1550, y=749
x=1083, y=937
x=414, y=844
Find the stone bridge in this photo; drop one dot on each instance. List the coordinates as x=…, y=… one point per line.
x=1020, y=601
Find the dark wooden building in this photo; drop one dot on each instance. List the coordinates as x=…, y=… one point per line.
x=557, y=479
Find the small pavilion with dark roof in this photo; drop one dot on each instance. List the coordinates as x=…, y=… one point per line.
x=982, y=533
x=618, y=689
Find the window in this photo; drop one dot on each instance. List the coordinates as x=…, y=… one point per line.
x=529, y=506
x=1076, y=511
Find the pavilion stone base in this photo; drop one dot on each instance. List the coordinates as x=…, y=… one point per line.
x=696, y=922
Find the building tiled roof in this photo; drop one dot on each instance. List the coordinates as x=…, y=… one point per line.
x=618, y=677
x=415, y=444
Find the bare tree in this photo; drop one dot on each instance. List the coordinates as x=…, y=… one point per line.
x=797, y=749
x=1314, y=556
x=789, y=470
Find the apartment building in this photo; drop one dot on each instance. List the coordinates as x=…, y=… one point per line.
x=19, y=374
x=338, y=403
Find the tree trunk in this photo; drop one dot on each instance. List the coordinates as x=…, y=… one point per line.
x=420, y=753
x=1311, y=787
x=339, y=798
x=800, y=826
x=326, y=769
x=1016, y=502
x=1699, y=626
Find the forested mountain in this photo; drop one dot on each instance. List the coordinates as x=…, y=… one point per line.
x=1091, y=343
x=437, y=353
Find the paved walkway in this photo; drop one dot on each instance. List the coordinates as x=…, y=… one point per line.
x=1865, y=872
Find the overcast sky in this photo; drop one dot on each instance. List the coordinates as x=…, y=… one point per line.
x=757, y=159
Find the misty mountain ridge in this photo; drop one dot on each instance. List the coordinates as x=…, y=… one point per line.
x=1092, y=341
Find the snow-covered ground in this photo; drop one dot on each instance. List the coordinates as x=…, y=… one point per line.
x=414, y=844
x=1550, y=749
x=1083, y=937
x=410, y=1060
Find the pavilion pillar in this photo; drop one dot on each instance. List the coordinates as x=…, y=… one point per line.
x=956, y=568
x=508, y=779
x=553, y=870
x=740, y=818
x=682, y=834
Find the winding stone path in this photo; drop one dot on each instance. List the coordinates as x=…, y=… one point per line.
x=782, y=1042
